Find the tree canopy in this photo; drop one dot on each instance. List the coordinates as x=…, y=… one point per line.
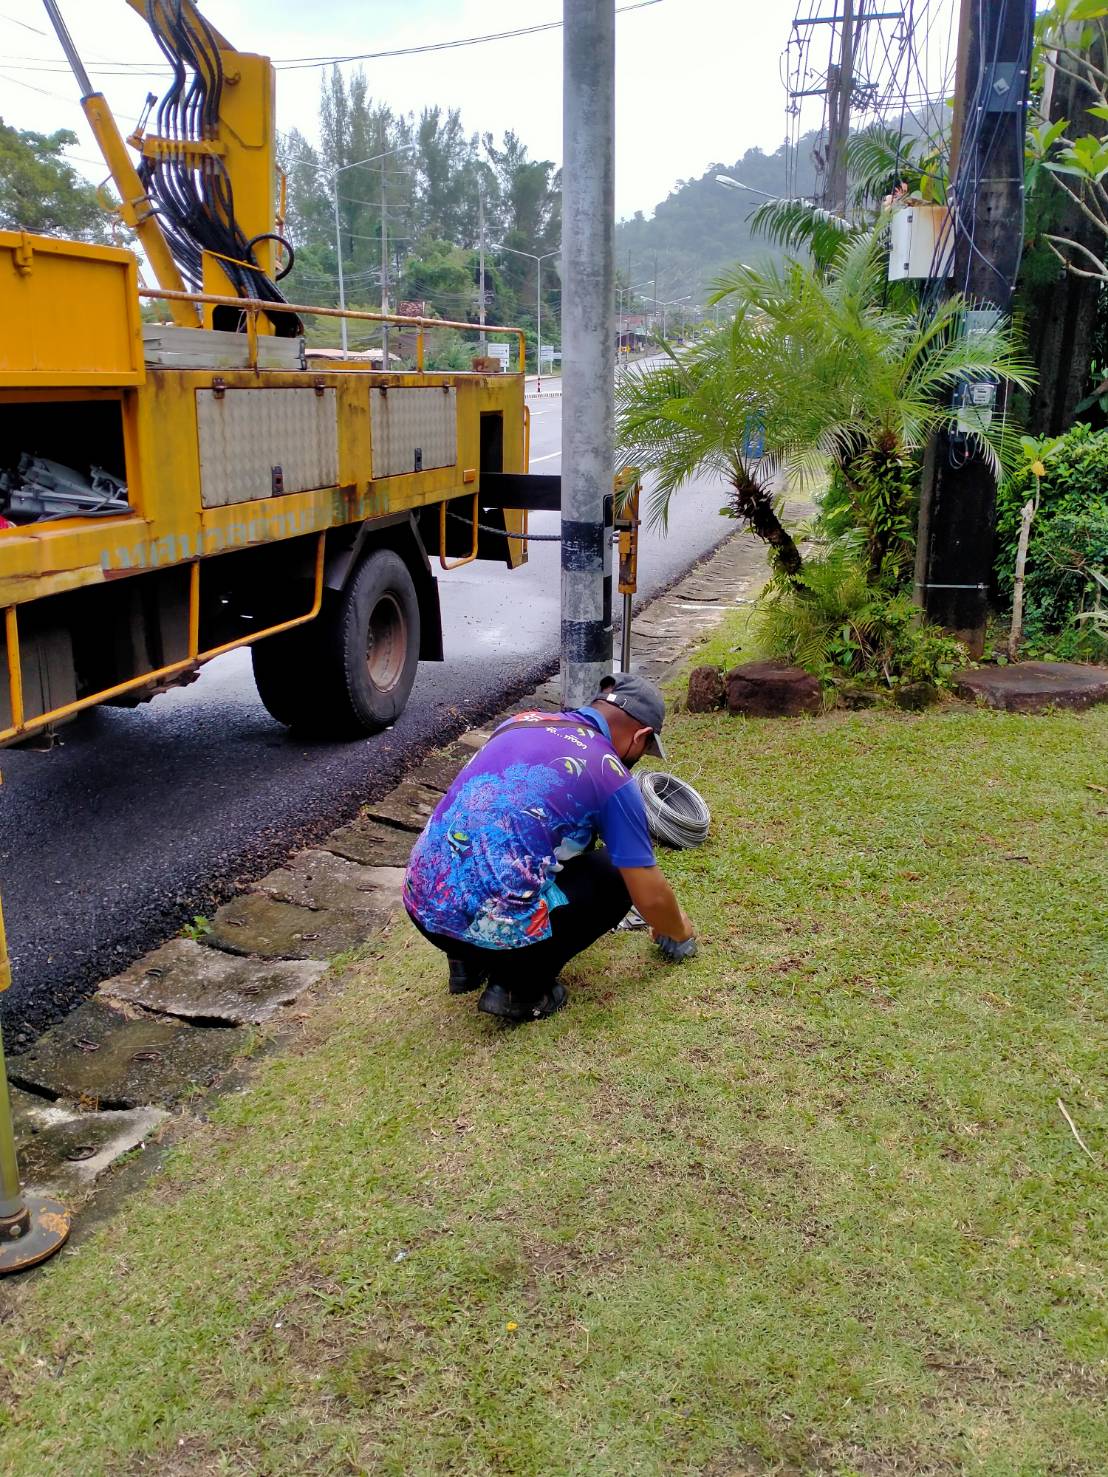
x=427, y=179
x=40, y=191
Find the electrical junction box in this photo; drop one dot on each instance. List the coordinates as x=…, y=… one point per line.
x=921, y=242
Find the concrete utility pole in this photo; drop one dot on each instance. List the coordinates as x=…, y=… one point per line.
x=588, y=358
x=954, y=549
x=840, y=86
x=481, y=265
x=384, y=271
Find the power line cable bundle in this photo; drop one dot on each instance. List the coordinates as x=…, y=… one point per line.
x=194, y=200
x=676, y=813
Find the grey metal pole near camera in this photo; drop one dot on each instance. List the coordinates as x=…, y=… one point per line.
x=588, y=357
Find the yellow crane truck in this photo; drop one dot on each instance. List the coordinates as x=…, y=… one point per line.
x=171, y=491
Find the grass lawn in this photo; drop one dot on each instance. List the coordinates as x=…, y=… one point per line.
x=807, y=1204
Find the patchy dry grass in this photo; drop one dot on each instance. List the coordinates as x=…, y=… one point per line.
x=804, y=1205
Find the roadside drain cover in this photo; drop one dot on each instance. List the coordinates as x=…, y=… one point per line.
x=183, y=978
x=100, y=1058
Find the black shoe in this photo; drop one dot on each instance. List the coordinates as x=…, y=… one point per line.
x=464, y=978
x=496, y=1000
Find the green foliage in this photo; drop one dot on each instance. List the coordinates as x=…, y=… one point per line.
x=800, y=225
x=868, y=371
x=883, y=496
x=836, y=623
x=41, y=192
x=831, y=371
x=1068, y=544
x=427, y=193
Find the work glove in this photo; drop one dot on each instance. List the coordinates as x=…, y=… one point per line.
x=675, y=952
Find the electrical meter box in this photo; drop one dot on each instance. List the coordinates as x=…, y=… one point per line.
x=921, y=242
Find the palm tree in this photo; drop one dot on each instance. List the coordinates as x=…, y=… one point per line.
x=836, y=375
x=704, y=411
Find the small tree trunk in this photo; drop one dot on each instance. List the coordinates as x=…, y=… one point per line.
x=754, y=504
x=1027, y=514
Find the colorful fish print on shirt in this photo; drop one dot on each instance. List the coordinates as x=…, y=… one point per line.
x=539, y=792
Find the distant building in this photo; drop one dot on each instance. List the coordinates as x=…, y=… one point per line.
x=635, y=334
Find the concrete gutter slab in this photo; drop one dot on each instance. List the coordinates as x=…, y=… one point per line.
x=408, y=806
x=183, y=978
x=440, y=769
x=100, y=1057
x=63, y=1150
x=260, y=925
x=371, y=843
x=320, y=879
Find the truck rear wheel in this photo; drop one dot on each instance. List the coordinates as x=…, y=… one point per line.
x=350, y=671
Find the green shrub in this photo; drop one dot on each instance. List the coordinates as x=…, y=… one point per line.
x=834, y=623
x=871, y=505
x=1069, y=541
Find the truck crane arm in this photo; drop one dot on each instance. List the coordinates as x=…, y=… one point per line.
x=189, y=12
x=202, y=199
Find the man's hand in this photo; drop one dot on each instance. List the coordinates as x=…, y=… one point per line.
x=687, y=930
x=653, y=896
x=675, y=952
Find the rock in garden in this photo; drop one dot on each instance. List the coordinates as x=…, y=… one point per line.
x=770, y=690
x=1034, y=687
x=705, y=690
x=913, y=697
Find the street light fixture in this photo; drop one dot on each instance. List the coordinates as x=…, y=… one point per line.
x=538, y=260
x=357, y=163
x=734, y=184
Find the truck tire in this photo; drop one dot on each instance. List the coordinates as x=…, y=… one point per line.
x=350, y=671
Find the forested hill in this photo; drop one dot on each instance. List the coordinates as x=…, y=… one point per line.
x=703, y=226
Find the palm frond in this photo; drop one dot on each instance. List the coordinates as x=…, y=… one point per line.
x=799, y=225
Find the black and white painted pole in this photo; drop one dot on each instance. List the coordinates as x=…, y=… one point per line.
x=588, y=345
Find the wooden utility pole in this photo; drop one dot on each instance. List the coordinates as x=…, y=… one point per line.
x=958, y=497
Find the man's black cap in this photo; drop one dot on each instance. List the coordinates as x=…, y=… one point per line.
x=640, y=700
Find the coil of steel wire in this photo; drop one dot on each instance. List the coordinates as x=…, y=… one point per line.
x=676, y=814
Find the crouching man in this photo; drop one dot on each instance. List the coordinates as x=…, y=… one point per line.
x=506, y=878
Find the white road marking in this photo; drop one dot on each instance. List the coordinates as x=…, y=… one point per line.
x=548, y=457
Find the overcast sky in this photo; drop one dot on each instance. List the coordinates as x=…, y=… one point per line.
x=698, y=81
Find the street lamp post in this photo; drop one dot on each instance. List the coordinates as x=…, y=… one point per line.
x=538, y=260
x=357, y=163
x=669, y=304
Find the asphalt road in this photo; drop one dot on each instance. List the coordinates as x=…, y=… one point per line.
x=138, y=819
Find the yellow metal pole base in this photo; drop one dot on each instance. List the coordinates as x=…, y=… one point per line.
x=36, y=1232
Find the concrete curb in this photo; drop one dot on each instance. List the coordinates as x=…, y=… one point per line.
x=178, y=1020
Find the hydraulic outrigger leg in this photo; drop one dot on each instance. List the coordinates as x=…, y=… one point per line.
x=32, y=1227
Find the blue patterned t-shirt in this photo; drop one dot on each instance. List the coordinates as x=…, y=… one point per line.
x=542, y=789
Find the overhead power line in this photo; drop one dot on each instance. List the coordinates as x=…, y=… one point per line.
x=301, y=63
x=291, y=63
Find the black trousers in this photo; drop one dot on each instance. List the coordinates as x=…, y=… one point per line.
x=597, y=898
